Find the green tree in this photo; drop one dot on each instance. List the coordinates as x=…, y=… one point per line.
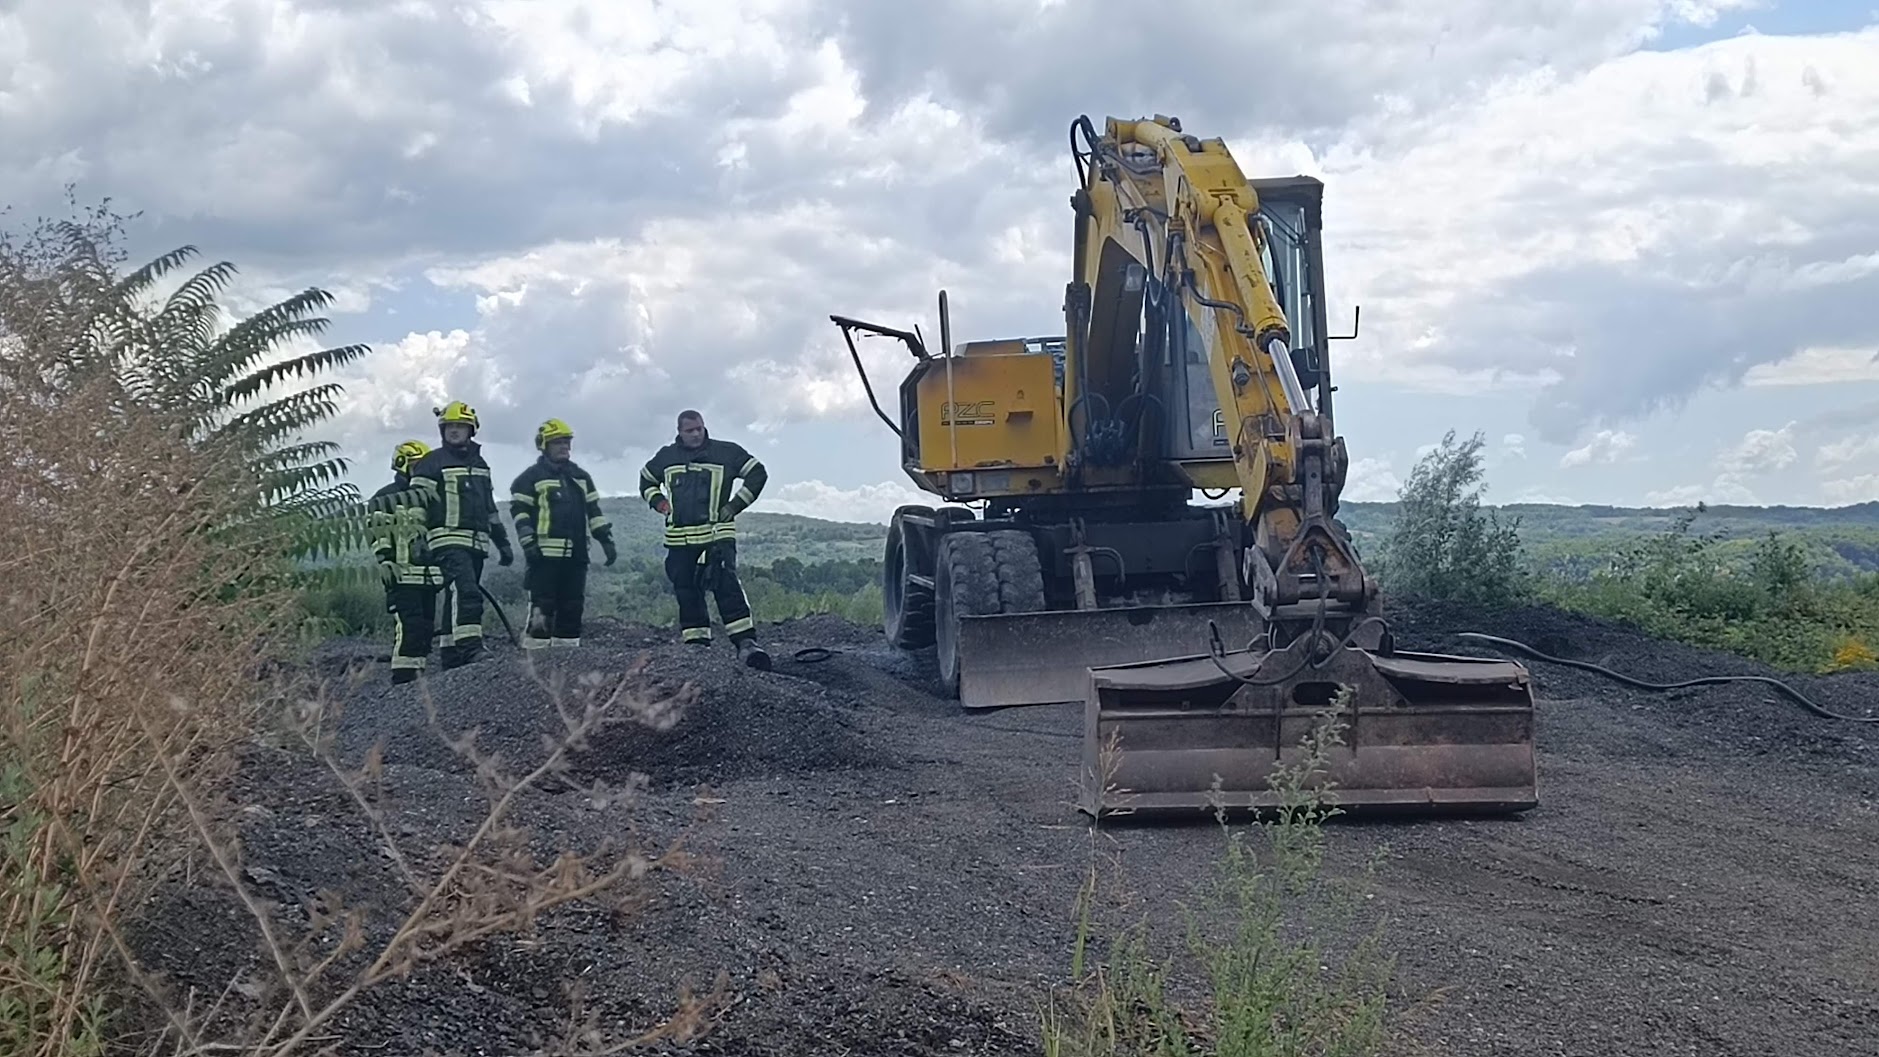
x=1443, y=544
x=229, y=385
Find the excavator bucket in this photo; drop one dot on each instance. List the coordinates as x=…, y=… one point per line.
x=1046, y=657
x=1425, y=733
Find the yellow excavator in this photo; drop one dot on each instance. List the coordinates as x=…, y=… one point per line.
x=1073, y=562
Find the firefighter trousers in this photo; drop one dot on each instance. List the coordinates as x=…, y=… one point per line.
x=708, y=569
x=460, y=621
x=557, y=595
x=413, y=610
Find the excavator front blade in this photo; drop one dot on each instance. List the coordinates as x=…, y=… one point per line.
x=1046, y=657
x=1425, y=733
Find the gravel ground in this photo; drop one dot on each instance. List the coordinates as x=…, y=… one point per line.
x=878, y=873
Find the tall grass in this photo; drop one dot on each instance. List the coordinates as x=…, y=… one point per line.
x=1261, y=963
x=149, y=587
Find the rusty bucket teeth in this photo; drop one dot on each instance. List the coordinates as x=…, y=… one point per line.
x=1425, y=733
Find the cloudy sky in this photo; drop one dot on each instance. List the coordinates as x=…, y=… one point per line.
x=1634, y=242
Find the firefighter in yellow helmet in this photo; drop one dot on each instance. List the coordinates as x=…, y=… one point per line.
x=452, y=484
x=397, y=535
x=556, y=507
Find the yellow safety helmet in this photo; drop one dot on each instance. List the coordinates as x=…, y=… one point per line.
x=457, y=411
x=407, y=454
x=553, y=429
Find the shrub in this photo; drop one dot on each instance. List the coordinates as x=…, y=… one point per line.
x=1443, y=544
x=1768, y=605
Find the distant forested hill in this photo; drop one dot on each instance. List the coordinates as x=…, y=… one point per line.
x=794, y=565
x=762, y=537
x=1560, y=538
x=1564, y=540
x=1571, y=540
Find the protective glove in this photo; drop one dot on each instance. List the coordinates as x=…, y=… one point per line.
x=664, y=508
x=507, y=552
x=388, y=573
x=532, y=550
x=606, y=544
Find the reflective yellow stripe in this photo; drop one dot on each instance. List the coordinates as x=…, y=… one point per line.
x=740, y=624
x=691, y=535
x=453, y=494
x=418, y=575
x=544, y=517
x=696, y=635
x=459, y=538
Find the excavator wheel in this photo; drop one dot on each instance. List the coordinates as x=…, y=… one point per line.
x=981, y=573
x=907, y=572
x=907, y=605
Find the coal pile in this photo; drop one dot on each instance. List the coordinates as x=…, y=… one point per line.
x=734, y=722
x=1613, y=719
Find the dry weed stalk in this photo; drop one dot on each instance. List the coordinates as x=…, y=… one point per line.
x=135, y=593
x=489, y=884
x=143, y=602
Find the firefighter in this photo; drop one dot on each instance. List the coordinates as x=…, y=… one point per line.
x=690, y=481
x=452, y=484
x=411, y=580
x=556, y=506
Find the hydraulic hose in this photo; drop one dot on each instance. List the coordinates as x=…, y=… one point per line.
x=1708, y=680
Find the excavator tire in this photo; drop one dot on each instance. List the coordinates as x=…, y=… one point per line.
x=907, y=606
x=982, y=573
x=907, y=569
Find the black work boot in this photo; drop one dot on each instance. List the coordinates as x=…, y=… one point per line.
x=753, y=655
x=404, y=675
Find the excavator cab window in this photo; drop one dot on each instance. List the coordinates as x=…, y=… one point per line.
x=1287, y=261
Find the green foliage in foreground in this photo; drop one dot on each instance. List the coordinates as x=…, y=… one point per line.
x=1277, y=955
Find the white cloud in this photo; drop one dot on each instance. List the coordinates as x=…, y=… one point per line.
x=1724, y=489
x=1851, y=449
x=871, y=503
x=608, y=211
x=1371, y=480
x=1849, y=490
x=1606, y=446
x=1684, y=216
x=1759, y=452
x=1543, y=496
x=1817, y=366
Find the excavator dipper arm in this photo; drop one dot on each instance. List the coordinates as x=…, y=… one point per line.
x=1168, y=215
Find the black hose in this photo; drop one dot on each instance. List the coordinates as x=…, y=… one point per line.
x=1708, y=680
